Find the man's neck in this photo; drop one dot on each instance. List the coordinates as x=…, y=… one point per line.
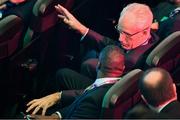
x=160, y=107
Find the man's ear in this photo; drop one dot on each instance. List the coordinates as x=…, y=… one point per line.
x=155, y=26
x=124, y=67
x=174, y=88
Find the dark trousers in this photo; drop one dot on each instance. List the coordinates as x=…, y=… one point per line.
x=89, y=67
x=67, y=79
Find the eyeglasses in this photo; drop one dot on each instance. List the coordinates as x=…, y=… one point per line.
x=128, y=35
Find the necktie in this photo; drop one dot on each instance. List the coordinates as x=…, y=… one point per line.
x=89, y=87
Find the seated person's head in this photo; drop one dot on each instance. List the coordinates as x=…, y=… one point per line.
x=111, y=62
x=134, y=25
x=157, y=88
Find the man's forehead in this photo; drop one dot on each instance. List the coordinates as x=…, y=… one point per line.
x=153, y=78
x=127, y=17
x=127, y=22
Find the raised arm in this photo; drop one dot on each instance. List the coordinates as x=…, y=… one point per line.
x=91, y=37
x=70, y=20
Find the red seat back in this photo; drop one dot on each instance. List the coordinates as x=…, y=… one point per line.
x=11, y=28
x=122, y=96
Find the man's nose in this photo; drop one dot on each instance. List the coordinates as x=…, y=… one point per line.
x=121, y=38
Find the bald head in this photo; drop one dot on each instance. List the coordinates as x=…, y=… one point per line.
x=157, y=87
x=153, y=78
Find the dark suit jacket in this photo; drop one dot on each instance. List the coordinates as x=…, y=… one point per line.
x=169, y=26
x=87, y=105
x=134, y=58
x=172, y=110
x=163, y=10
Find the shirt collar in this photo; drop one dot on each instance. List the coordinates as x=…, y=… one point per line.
x=107, y=80
x=158, y=109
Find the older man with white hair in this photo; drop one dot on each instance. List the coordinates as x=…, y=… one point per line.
x=135, y=38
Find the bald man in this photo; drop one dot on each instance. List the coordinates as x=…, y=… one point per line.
x=159, y=92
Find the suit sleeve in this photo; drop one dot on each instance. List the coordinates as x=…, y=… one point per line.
x=88, y=106
x=68, y=96
x=87, y=109
x=96, y=40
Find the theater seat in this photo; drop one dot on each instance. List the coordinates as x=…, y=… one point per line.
x=166, y=54
x=35, y=51
x=44, y=17
x=44, y=28
x=11, y=28
x=122, y=96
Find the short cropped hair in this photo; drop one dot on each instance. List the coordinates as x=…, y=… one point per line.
x=141, y=13
x=112, y=61
x=161, y=92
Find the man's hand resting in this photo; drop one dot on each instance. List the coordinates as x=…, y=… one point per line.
x=43, y=103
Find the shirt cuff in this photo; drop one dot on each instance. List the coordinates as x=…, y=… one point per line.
x=84, y=34
x=59, y=114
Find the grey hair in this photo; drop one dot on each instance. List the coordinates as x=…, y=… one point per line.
x=141, y=12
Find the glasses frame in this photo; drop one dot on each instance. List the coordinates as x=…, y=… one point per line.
x=128, y=35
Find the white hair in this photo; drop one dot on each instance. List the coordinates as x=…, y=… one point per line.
x=138, y=13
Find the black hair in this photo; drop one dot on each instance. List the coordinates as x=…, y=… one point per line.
x=111, y=61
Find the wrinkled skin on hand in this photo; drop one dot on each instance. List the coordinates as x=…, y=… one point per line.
x=43, y=103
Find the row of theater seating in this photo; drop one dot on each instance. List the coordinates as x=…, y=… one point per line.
x=20, y=44
x=28, y=52
x=43, y=18
x=125, y=94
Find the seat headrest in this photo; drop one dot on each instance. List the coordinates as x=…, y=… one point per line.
x=163, y=48
x=121, y=87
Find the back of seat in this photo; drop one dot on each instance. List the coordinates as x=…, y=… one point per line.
x=122, y=96
x=166, y=54
x=11, y=28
